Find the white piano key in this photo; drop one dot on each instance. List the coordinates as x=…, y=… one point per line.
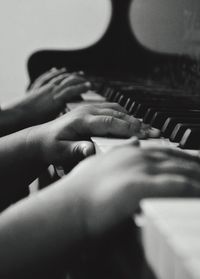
x=171, y=208
x=103, y=144
x=192, y=268
x=92, y=96
x=150, y=242
x=170, y=227
x=187, y=249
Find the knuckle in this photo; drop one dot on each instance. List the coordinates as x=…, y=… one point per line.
x=72, y=76
x=108, y=121
x=129, y=126
x=119, y=114
x=116, y=105
x=75, y=149
x=186, y=181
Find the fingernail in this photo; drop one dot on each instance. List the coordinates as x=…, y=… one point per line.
x=88, y=84
x=85, y=152
x=81, y=73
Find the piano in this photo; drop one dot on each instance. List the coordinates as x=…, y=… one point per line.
x=148, y=62
x=159, y=86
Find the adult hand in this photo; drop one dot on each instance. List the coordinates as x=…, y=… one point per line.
x=109, y=187
x=67, y=139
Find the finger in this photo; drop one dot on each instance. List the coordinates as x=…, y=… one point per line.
x=77, y=150
x=58, y=79
x=154, y=133
x=80, y=73
x=172, y=186
x=54, y=69
x=121, y=115
x=187, y=169
x=46, y=77
x=110, y=126
x=73, y=153
x=83, y=149
x=133, y=142
x=67, y=94
x=114, y=106
x=173, y=153
x=69, y=81
x=148, y=132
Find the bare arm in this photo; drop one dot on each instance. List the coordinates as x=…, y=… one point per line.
x=51, y=225
x=20, y=164
x=50, y=93
x=23, y=155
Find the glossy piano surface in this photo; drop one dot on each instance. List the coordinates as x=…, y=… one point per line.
x=154, y=39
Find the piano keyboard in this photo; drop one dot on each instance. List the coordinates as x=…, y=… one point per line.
x=175, y=115
x=171, y=237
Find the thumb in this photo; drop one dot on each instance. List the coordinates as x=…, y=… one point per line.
x=82, y=150
x=133, y=141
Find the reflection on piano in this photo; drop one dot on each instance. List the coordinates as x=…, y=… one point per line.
x=161, y=89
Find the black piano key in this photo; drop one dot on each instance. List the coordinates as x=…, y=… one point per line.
x=160, y=117
x=133, y=107
x=171, y=123
x=140, y=108
x=191, y=139
x=116, y=97
x=150, y=114
x=180, y=129
x=128, y=104
x=165, y=104
x=110, y=95
x=106, y=92
x=122, y=100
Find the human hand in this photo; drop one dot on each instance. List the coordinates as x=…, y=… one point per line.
x=109, y=187
x=48, y=77
x=67, y=139
x=51, y=92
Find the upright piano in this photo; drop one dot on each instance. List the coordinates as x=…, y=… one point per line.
x=148, y=61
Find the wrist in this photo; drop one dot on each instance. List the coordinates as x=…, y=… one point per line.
x=12, y=120
x=35, y=144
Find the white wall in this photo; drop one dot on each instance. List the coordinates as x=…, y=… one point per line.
x=28, y=25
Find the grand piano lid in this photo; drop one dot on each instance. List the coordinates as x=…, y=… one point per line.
x=171, y=26
x=145, y=38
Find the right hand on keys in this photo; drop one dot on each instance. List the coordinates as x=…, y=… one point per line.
x=96, y=196
x=110, y=186
x=66, y=140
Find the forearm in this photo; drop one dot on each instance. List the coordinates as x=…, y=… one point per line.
x=40, y=230
x=20, y=159
x=12, y=120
